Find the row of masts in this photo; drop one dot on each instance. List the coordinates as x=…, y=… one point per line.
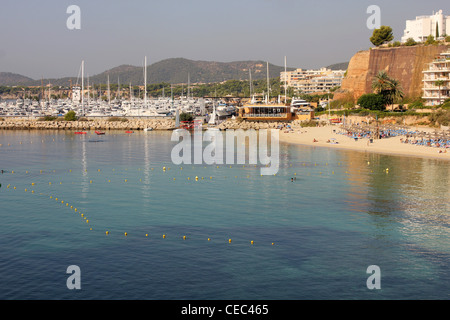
x=188, y=93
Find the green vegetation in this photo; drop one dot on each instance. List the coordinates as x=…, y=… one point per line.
x=447, y=39
x=390, y=89
x=371, y=101
x=382, y=35
x=441, y=117
x=186, y=117
x=47, y=118
x=410, y=42
x=70, y=116
x=430, y=40
x=439, y=83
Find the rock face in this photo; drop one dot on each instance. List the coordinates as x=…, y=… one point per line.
x=402, y=63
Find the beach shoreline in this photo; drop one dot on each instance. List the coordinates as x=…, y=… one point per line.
x=318, y=137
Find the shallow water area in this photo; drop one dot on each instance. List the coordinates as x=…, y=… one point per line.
x=315, y=226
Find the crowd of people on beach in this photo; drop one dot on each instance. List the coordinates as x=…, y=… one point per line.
x=435, y=142
x=414, y=137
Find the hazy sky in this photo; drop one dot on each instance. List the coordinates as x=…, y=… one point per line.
x=36, y=42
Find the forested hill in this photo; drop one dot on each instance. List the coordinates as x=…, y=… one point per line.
x=174, y=70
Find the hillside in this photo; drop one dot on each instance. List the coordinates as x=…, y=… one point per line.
x=338, y=66
x=174, y=70
x=8, y=78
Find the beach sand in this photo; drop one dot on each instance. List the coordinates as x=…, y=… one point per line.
x=392, y=145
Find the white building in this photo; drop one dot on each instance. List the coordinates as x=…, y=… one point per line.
x=312, y=81
x=439, y=69
x=423, y=26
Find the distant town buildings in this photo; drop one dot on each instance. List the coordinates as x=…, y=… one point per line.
x=424, y=26
x=435, y=91
x=312, y=81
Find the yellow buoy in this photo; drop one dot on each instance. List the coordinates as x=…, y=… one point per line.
x=107, y=232
x=82, y=214
x=184, y=237
x=87, y=221
x=229, y=240
x=25, y=190
x=146, y=234
x=251, y=242
x=126, y=234
x=164, y=236
x=209, y=239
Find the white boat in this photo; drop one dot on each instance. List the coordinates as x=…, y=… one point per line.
x=224, y=110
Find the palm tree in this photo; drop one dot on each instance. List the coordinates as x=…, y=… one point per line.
x=439, y=83
x=390, y=89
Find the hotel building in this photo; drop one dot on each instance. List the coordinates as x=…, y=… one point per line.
x=439, y=69
x=312, y=81
x=424, y=26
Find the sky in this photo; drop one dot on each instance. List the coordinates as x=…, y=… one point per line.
x=36, y=42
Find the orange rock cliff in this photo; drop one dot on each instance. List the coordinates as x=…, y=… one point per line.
x=402, y=63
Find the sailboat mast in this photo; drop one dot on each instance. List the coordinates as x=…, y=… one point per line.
x=285, y=81
x=145, y=82
x=268, y=89
x=109, y=94
x=82, y=87
x=118, y=88
x=250, y=80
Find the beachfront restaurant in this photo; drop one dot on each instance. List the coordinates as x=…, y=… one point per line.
x=274, y=112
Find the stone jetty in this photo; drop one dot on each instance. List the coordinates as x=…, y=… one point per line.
x=96, y=124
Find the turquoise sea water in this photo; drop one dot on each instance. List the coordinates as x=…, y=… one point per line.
x=313, y=238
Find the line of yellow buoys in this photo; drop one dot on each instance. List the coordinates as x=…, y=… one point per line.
x=82, y=215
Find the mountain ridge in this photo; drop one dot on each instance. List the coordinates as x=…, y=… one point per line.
x=171, y=70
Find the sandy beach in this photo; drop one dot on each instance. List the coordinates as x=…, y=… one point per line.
x=391, y=145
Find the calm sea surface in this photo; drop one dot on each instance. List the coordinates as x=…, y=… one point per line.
x=313, y=238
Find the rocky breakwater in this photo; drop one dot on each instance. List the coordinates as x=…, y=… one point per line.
x=98, y=124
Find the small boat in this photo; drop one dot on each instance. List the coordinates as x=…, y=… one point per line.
x=99, y=132
x=148, y=129
x=129, y=131
x=80, y=132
